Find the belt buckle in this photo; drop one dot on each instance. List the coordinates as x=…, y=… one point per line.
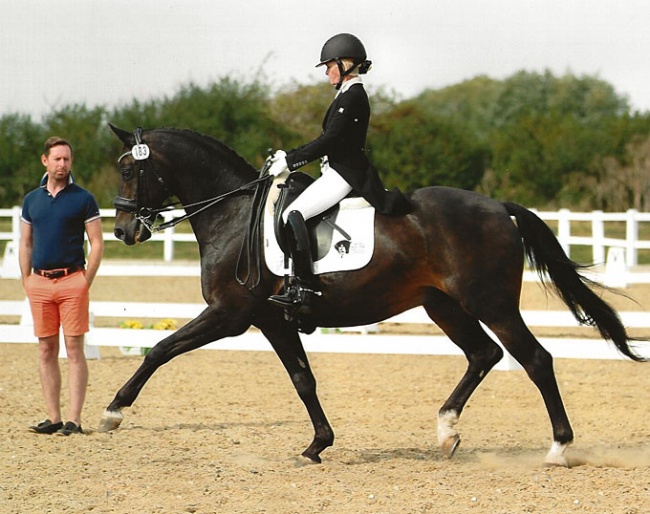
x=55, y=274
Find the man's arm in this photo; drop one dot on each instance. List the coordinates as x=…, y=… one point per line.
x=25, y=250
x=96, y=240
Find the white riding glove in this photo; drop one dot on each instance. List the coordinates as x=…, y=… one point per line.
x=278, y=163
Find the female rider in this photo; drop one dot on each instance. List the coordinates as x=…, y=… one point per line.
x=345, y=167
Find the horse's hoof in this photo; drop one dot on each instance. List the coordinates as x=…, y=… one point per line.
x=450, y=445
x=111, y=420
x=310, y=458
x=564, y=464
x=303, y=460
x=555, y=461
x=555, y=457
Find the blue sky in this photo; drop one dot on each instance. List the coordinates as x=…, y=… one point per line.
x=58, y=52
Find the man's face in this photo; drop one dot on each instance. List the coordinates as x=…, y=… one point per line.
x=58, y=162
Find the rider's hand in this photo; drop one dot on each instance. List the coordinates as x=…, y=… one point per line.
x=278, y=163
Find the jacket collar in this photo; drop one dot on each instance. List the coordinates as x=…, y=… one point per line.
x=348, y=84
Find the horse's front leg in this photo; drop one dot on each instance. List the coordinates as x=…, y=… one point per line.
x=287, y=345
x=205, y=328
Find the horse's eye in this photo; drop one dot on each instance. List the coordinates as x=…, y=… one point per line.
x=127, y=172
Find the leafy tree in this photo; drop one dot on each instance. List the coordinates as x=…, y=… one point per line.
x=21, y=143
x=86, y=130
x=414, y=150
x=533, y=138
x=625, y=184
x=471, y=103
x=235, y=113
x=546, y=129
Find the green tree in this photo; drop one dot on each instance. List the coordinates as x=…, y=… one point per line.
x=533, y=138
x=86, y=130
x=21, y=143
x=237, y=114
x=546, y=129
x=414, y=150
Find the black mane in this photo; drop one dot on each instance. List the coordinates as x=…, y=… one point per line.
x=212, y=143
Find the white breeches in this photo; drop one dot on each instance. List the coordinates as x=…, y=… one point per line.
x=326, y=191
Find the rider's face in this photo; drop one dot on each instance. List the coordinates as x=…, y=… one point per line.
x=332, y=71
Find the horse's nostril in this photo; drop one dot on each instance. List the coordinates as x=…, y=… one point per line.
x=119, y=233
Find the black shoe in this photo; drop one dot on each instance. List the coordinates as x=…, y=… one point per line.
x=70, y=428
x=289, y=298
x=296, y=302
x=46, y=427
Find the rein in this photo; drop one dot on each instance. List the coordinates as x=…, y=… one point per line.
x=252, y=245
x=148, y=213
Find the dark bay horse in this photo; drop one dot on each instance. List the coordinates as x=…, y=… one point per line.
x=458, y=254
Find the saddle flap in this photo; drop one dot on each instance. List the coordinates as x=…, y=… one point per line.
x=351, y=235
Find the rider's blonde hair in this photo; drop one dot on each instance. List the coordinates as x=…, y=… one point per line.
x=349, y=63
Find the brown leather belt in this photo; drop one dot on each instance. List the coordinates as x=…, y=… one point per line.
x=57, y=273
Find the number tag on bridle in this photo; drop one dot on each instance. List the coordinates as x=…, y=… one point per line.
x=140, y=152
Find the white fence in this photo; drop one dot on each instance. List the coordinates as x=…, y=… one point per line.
x=621, y=254
x=599, y=241
x=370, y=339
x=169, y=237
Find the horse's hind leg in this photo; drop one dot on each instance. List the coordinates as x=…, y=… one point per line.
x=287, y=345
x=538, y=363
x=482, y=354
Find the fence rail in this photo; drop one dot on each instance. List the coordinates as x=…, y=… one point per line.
x=370, y=339
x=564, y=219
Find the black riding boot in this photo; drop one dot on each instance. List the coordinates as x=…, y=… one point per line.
x=298, y=296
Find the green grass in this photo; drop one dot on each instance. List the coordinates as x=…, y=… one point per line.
x=150, y=250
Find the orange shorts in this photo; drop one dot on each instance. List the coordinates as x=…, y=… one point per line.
x=58, y=302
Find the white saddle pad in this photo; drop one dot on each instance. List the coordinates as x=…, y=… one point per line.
x=356, y=217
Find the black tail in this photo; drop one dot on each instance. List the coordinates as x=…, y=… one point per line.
x=546, y=256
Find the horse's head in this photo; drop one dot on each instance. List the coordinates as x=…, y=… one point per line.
x=141, y=191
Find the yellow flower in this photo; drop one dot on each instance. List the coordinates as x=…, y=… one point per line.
x=165, y=324
x=131, y=323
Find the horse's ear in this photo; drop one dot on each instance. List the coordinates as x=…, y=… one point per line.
x=123, y=135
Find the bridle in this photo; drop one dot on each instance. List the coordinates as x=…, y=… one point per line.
x=147, y=215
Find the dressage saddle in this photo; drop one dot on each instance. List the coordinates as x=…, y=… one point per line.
x=320, y=228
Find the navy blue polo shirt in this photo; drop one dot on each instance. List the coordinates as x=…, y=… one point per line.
x=59, y=224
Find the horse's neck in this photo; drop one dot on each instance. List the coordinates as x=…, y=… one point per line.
x=222, y=220
x=214, y=171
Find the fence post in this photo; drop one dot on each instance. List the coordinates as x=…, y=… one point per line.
x=15, y=224
x=9, y=266
x=598, y=237
x=631, y=237
x=564, y=230
x=168, y=239
x=615, y=269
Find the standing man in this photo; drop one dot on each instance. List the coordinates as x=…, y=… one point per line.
x=56, y=279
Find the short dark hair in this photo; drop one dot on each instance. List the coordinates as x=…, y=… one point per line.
x=55, y=141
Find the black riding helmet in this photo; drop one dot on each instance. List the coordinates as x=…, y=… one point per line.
x=345, y=46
